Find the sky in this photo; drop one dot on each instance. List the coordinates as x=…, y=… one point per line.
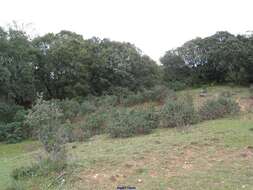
x=154, y=26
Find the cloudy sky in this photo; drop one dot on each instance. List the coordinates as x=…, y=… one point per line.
x=152, y=25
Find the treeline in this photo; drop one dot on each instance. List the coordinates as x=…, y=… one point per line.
x=220, y=58
x=82, y=75
x=64, y=65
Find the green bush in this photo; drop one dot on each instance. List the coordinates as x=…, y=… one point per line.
x=157, y=94
x=87, y=107
x=46, y=118
x=77, y=132
x=178, y=112
x=8, y=112
x=70, y=109
x=107, y=101
x=127, y=123
x=133, y=99
x=13, y=132
x=12, y=128
x=96, y=122
x=218, y=108
x=177, y=85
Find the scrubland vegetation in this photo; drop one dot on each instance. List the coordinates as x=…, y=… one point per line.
x=94, y=114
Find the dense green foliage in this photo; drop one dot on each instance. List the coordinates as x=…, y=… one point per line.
x=90, y=77
x=12, y=126
x=220, y=58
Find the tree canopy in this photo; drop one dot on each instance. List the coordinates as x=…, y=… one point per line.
x=64, y=65
x=220, y=58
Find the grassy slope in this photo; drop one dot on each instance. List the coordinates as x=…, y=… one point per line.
x=13, y=156
x=211, y=155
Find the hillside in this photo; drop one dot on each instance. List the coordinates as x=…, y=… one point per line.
x=215, y=154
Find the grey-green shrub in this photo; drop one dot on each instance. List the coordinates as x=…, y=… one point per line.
x=107, y=101
x=133, y=99
x=70, y=108
x=87, y=107
x=218, y=108
x=127, y=122
x=46, y=118
x=156, y=94
x=177, y=85
x=178, y=112
x=96, y=122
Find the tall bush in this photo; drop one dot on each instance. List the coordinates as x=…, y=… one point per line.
x=127, y=123
x=178, y=112
x=218, y=108
x=46, y=117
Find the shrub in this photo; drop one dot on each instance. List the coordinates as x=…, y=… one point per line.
x=107, y=101
x=177, y=85
x=157, y=94
x=46, y=118
x=8, y=112
x=87, y=107
x=96, y=122
x=218, y=108
x=133, y=99
x=77, y=132
x=127, y=123
x=178, y=112
x=12, y=132
x=70, y=109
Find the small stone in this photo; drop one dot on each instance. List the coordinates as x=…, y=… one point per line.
x=139, y=181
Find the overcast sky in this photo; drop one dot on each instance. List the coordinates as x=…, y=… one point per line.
x=152, y=25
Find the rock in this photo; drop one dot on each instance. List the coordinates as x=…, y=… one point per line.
x=139, y=181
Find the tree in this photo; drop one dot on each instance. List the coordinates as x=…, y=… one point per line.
x=16, y=65
x=175, y=68
x=62, y=65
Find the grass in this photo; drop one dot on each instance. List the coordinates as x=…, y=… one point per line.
x=13, y=156
x=211, y=155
